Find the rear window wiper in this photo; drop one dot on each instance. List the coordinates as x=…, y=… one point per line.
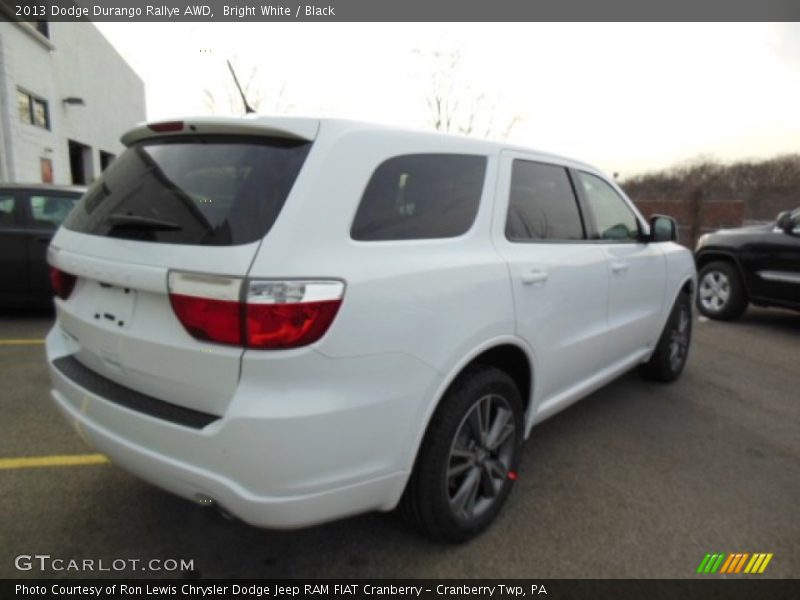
x=139, y=222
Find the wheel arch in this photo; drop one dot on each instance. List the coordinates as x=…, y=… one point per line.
x=705, y=257
x=688, y=285
x=509, y=354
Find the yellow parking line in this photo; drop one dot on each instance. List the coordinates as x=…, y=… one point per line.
x=21, y=342
x=64, y=460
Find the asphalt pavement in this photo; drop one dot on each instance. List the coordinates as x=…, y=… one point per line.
x=638, y=480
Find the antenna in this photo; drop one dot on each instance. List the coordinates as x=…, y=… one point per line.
x=247, y=108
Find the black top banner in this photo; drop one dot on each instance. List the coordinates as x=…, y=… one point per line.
x=402, y=10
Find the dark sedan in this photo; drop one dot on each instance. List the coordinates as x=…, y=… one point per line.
x=29, y=216
x=752, y=264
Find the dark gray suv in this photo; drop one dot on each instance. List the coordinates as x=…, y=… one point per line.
x=29, y=216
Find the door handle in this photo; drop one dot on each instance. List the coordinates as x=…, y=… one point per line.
x=534, y=276
x=618, y=266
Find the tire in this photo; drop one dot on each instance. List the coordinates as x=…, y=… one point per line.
x=720, y=292
x=669, y=358
x=462, y=477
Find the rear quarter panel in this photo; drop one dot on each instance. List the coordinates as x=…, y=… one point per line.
x=431, y=299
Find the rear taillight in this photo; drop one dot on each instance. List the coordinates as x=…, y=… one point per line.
x=63, y=283
x=288, y=314
x=207, y=306
x=266, y=314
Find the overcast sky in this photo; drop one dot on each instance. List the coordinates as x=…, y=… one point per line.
x=626, y=97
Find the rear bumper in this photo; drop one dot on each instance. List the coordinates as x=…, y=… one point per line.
x=280, y=456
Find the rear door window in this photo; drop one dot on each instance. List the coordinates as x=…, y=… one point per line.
x=210, y=191
x=420, y=196
x=542, y=204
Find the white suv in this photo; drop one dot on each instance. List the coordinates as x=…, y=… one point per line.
x=298, y=319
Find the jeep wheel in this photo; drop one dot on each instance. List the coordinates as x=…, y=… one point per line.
x=720, y=293
x=468, y=460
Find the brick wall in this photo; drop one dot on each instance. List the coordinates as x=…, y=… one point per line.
x=695, y=215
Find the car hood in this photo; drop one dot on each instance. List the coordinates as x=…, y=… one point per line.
x=733, y=237
x=750, y=229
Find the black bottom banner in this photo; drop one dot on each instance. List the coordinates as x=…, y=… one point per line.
x=562, y=589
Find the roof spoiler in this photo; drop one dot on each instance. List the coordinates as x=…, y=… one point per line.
x=284, y=127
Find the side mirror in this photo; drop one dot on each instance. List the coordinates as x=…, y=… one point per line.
x=784, y=221
x=663, y=229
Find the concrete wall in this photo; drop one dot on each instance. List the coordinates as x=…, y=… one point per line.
x=76, y=61
x=28, y=64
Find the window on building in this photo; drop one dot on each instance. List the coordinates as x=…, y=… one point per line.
x=80, y=163
x=105, y=159
x=420, y=196
x=33, y=110
x=24, y=101
x=542, y=205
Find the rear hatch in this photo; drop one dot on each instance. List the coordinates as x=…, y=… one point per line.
x=185, y=200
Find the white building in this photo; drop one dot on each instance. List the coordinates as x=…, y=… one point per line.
x=66, y=96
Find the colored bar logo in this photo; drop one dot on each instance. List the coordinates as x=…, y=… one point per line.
x=737, y=562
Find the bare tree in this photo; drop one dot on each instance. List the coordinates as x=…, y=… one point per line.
x=766, y=186
x=455, y=106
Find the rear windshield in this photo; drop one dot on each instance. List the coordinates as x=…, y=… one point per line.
x=209, y=191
